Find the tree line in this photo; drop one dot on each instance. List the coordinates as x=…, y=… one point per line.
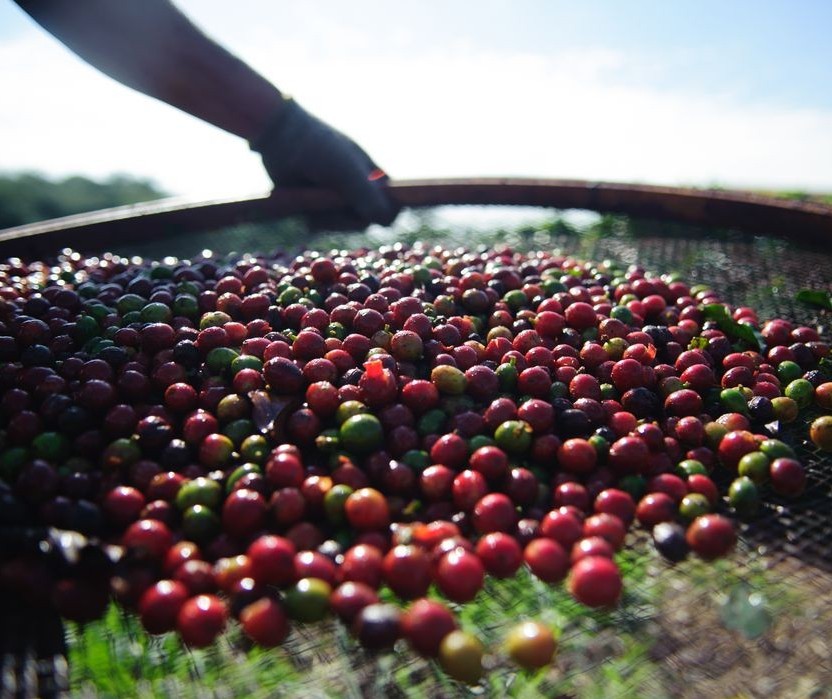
x=27, y=197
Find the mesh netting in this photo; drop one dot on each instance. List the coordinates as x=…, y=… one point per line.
x=754, y=625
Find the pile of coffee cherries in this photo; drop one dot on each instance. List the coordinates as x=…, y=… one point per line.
x=277, y=439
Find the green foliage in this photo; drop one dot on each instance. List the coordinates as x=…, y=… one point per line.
x=28, y=197
x=734, y=330
x=815, y=297
x=115, y=657
x=800, y=195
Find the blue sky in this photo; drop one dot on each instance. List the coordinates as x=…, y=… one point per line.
x=760, y=50
x=732, y=93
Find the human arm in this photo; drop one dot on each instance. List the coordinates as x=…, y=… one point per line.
x=154, y=48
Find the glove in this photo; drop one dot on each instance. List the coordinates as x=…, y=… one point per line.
x=299, y=149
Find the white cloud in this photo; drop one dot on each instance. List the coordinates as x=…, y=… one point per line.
x=453, y=111
x=61, y=117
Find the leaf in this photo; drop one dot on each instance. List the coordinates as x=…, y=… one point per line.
x=736, y=331
x=698, y=342
x=270, y=412
x=815, y=297
x=746, y=611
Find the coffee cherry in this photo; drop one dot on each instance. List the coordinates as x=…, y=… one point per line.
x=201, y=619
x=531, y=645
x=460, y=655
x=459, y=575
x=595, y=581
x=374, y=419
x=711, y=536
x=265, y=622
x=160, y=605
x=425, y=624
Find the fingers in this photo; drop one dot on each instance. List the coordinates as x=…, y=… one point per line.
x=365, y=186
x=376, y=203
x=365, y=189
x=302, y=150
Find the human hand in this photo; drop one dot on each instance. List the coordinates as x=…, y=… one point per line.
x=299, y=149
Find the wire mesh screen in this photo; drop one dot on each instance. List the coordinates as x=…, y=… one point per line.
x=756, y=624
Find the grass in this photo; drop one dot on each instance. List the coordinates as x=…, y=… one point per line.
x=114, y=657
x=601, y=653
